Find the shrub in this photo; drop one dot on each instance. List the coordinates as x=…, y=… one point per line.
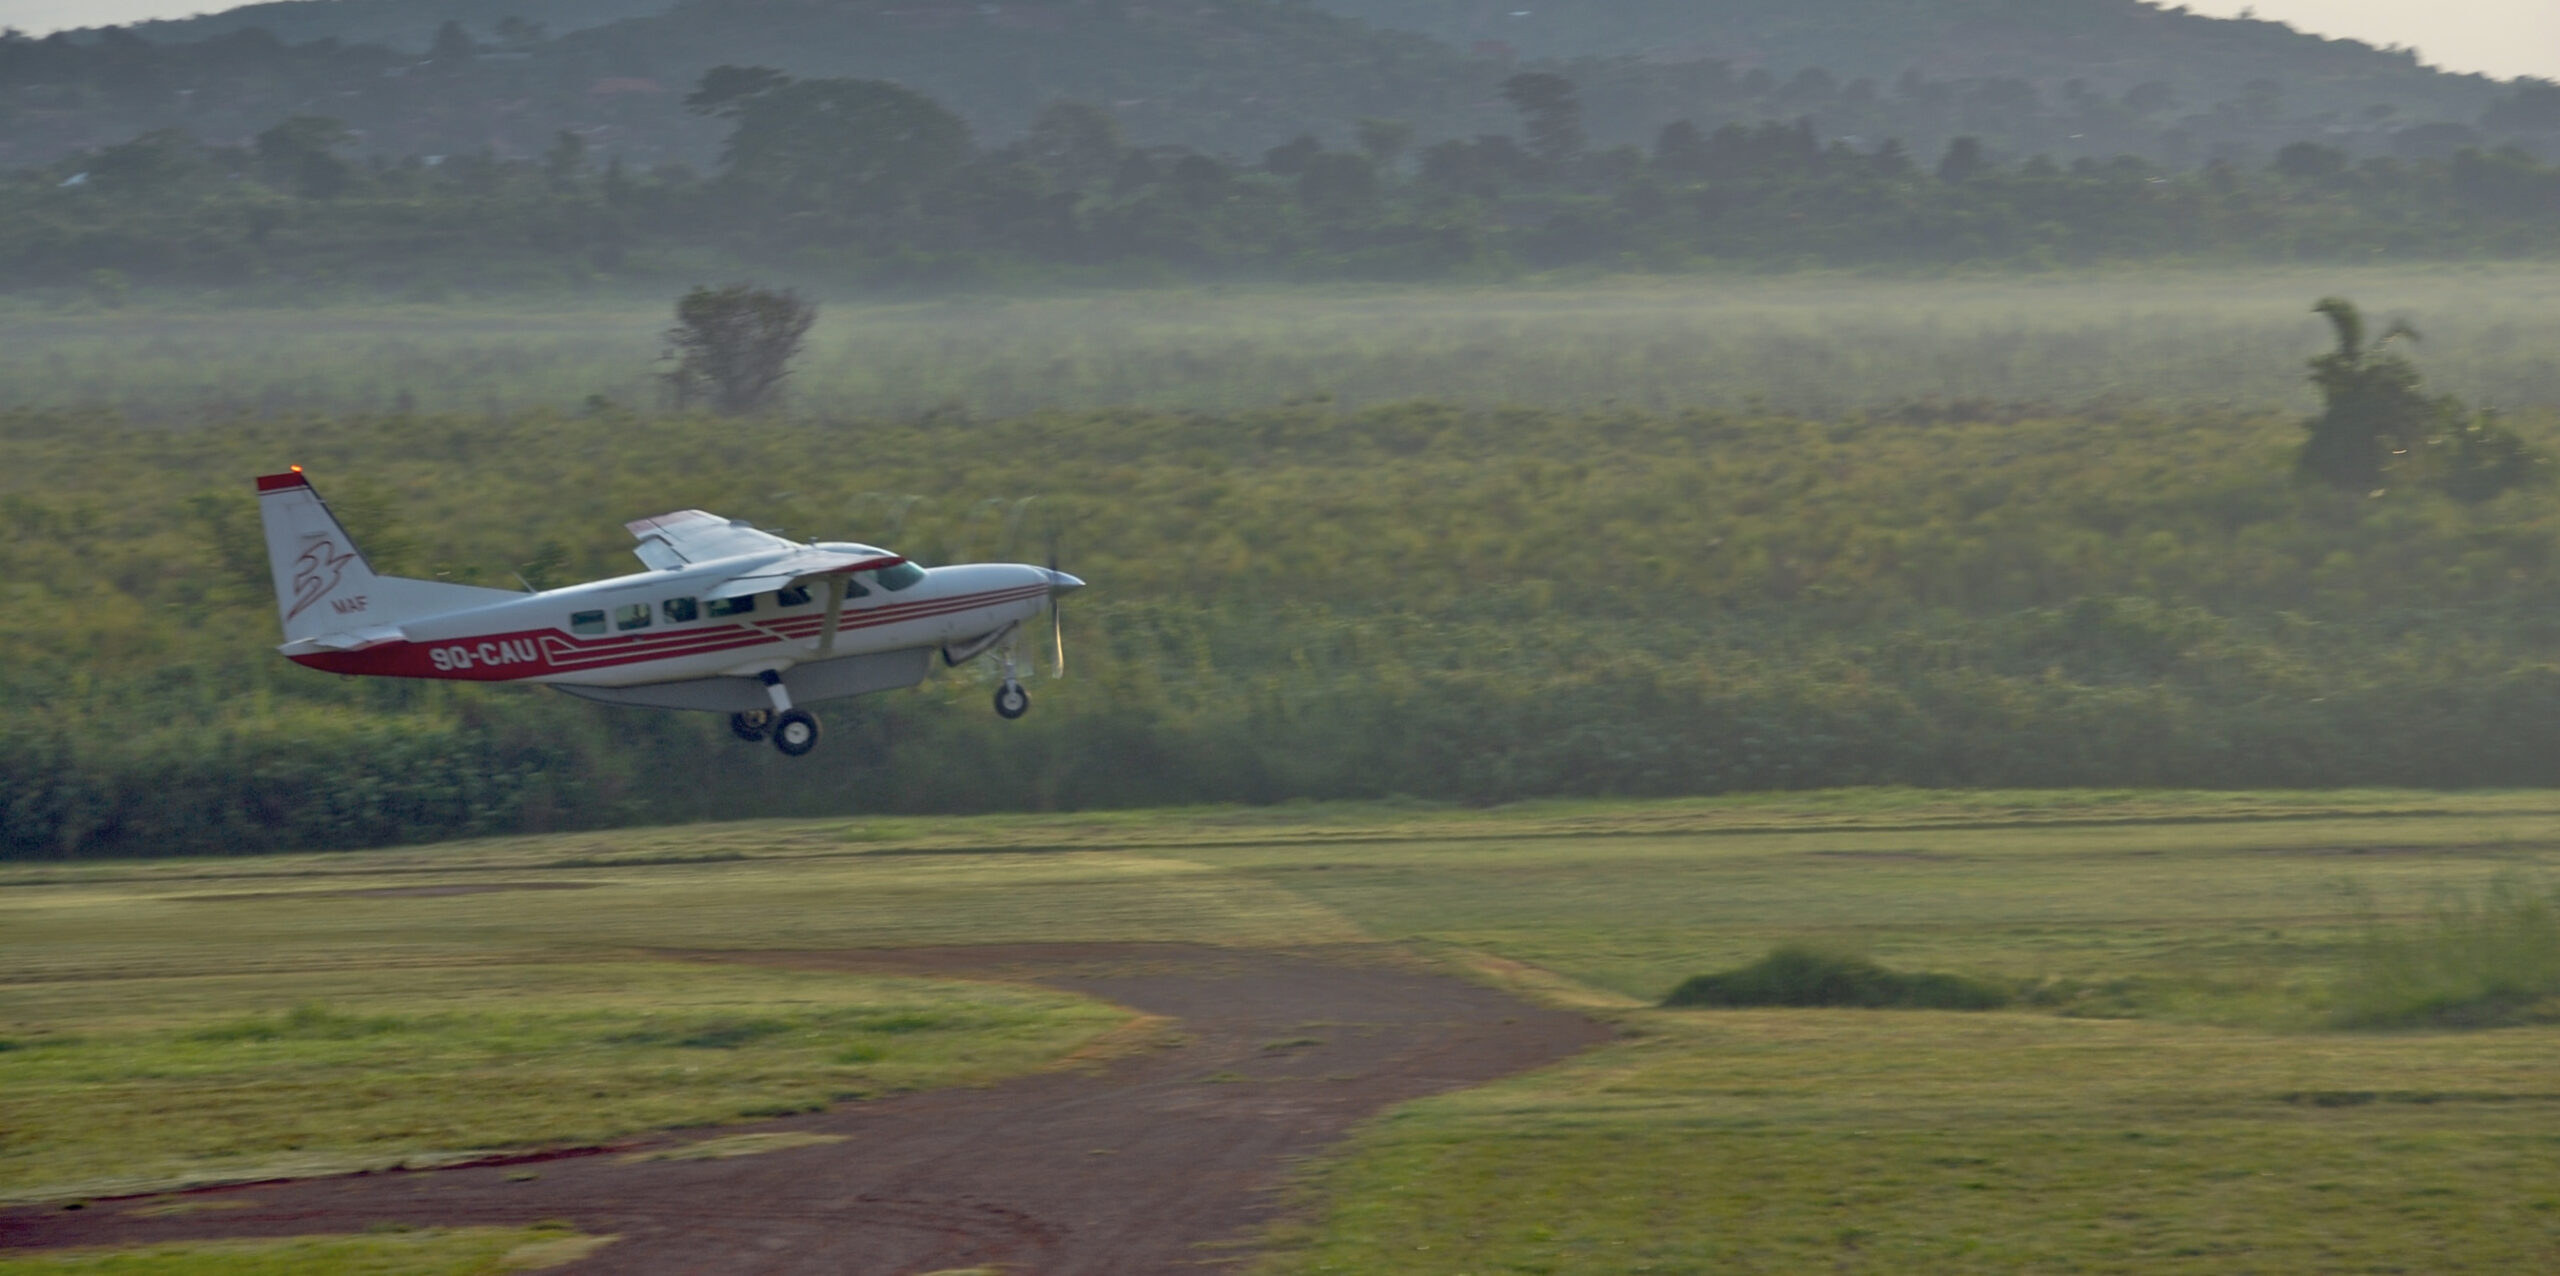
x=2479, y=962
x=1797, y=975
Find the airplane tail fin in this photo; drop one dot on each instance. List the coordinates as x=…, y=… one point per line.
x=324, y=585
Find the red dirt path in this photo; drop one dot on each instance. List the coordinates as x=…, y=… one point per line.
x=1162, y=1161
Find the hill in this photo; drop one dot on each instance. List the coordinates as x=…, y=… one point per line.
x=406, y=25
x=2094, y=78
x=2112, y=45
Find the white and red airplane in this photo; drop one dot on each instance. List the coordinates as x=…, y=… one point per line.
x=727, y=619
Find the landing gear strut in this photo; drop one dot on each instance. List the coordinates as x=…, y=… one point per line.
x=1011, y=700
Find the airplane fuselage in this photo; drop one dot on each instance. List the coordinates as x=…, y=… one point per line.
x=655, y=627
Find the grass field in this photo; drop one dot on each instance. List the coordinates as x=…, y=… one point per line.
x=1811, y=345
x=2168, y=1097
x=471, y=1251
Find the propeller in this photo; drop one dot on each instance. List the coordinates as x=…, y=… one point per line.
x=1057, y=622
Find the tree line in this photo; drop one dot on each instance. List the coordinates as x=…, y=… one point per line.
x=871, y=181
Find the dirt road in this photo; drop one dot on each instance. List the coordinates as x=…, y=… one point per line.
x=1166, y=1160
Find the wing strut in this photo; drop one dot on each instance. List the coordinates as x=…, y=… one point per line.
x=835, y=614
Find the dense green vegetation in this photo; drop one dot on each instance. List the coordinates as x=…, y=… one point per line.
x=868, y=181
x=2482, y=959
x=1802, y=975
x=1471, y=604
x=2172, y=1096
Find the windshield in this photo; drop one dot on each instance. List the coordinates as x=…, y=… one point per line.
x=899, y=577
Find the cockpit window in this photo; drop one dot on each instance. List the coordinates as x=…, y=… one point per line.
x=796, y=596
x=679, y=610
x=733, y=606
x=899, y=577
x=586, y=622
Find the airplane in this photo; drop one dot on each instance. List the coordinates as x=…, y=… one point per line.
x=727, y=619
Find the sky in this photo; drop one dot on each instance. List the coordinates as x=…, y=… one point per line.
x=2501, y=37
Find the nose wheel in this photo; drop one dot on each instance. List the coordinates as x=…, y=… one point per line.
x=1012, y=701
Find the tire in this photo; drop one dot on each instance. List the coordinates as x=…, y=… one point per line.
x=1012, y=701
x=795, y=733
x=751, y=725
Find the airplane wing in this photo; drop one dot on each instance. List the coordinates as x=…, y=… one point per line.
x=783, y=572
x=695, y=536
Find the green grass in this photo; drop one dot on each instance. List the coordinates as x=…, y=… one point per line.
x=118, y=1085
x=473, y=1251
x=2170, y=1093
x=2480, y=960
x=2223, y=908
x=1812, y=344
x=1844, y=1141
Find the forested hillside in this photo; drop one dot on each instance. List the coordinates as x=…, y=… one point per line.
x=2113, y=46
x=2095, y=78
x=406, y=25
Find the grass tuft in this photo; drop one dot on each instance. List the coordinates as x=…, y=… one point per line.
x=1800, y=975
x=2483, y=961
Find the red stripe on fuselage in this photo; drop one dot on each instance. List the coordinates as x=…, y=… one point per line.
x=529, y=653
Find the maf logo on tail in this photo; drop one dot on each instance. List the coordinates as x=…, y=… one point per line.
x=315, y=574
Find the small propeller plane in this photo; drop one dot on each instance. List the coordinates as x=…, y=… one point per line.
x=727, y=619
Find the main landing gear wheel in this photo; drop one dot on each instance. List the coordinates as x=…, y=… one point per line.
x=1012, y=701
x=751, y=725
x=795, y=732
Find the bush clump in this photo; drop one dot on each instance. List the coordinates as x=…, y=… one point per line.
x=1798, y=975
x=2480, y=962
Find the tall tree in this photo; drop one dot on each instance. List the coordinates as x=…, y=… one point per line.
x=300, y=155
x=857, y=146
x=733, y=346
x=1550, y=113
x=2371, y=406
x=1076, y=145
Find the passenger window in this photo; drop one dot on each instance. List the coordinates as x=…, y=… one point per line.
x=899, y=577
x=796, y=596
x=635, y=616
x=733, y=606
x=586, y=622
x=679, y=610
